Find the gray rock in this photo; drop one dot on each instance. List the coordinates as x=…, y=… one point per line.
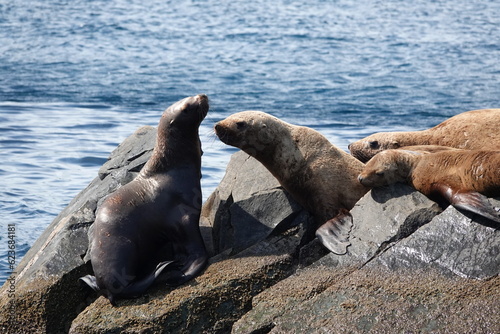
x=452, y=243
x=404, y=272
x=372, y=300
x=49, y=298
x=408, y=269
x=381, y=217
x=247, y=206
x=48, y=295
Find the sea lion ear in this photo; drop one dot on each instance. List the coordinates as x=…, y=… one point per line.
x=395, y=144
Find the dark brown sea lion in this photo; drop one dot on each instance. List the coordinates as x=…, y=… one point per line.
x=318, y=175
x=150, y=226
x=463, y=178
x=472, y=130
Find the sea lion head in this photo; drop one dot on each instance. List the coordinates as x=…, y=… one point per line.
x=185, y=114
x=251, y=131
x=366, y=148
x=385, y=168
x=178, y=141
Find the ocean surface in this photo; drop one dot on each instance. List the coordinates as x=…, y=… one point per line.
x=77, y=77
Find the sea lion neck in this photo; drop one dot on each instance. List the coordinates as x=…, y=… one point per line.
x=282, y=151
x=407, y=163
x=167, y=154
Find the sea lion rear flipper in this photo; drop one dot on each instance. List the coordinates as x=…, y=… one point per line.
x=161, y=266
x=469, y=201
x=334, y=234
x=90, y=281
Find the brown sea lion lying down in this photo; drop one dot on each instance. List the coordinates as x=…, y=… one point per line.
x=476, y=130
x=463, y=178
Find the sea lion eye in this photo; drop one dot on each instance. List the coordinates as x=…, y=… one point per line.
x=374, y=144
x=241, y=125
x=379, y=173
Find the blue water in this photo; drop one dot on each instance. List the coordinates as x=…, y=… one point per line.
x=77, y=77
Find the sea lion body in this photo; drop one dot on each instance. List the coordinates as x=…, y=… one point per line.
x=319, y=176
x=473, y=130
x=461, y=177
x=150, y=226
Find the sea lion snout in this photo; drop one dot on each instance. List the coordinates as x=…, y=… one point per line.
x=364, y=180
x=220, y=130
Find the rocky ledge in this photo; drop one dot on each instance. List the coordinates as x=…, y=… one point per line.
x=411, y=267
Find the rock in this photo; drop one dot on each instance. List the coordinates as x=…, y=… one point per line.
x=380, y=218
x=410, y=267
x=452, y=243
x=212, y=302
x=404, y=272
x=47, y=294
x=372, y=300
x=247, y=206
x=48, y=297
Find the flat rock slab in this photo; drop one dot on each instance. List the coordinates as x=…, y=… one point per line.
x=379, y=301
x=402, y=245
x=211, y=302
x=452, y=243
x=382, y=217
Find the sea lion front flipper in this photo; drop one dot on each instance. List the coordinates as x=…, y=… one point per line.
x=334, y=234
x=476, y=203
x=469, y=201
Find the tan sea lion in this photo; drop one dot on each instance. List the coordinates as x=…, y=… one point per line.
x=318, y=175
x=428, y=148
x=150, y=226
x=472, y=130
x=463, y=178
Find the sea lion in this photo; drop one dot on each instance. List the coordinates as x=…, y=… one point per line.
x=463, y=178
x=318, y=175
x=473, y=130
x=150, y=226
x=428, y=148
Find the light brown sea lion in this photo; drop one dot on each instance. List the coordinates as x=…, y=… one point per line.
x=428, y=148
x=462, y=178
x=472, y=130
x=318, y=175
x=150, y=226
